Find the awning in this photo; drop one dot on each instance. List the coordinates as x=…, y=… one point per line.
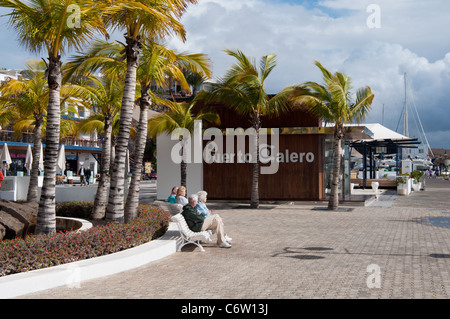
x=353, y=132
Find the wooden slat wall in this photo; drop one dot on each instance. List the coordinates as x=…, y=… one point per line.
x=294, y=118
x=294, y=181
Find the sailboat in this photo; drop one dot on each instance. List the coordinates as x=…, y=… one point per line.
x=421, y=161
x=388, y=161
x=422, y=164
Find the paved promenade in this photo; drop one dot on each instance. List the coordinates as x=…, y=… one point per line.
x=385, y=250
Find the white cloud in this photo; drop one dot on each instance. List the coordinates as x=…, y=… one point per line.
x=411, y=39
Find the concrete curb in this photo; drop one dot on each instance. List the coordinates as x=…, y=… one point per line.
x=73, y=274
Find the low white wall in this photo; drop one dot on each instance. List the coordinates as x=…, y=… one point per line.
x=15, y=188
x=75, y=193
x=68, y=193
x=73, y=274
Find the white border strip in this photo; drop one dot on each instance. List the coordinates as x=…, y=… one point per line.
x=73, y=274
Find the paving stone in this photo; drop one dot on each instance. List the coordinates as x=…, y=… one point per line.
x=301, y=252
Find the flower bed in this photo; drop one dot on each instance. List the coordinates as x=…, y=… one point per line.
x=35, y=252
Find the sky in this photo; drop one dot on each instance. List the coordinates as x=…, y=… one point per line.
x=375, y=42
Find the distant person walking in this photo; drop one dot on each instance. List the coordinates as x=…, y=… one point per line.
x=87, y=174
x=82, y=174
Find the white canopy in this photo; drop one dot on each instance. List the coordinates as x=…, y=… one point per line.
x=381, y=132
x=29, y=159
x=41, y=159
x=5, y=158
x=62, y=159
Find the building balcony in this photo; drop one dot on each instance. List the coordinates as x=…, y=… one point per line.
x=82, y=142
x=10, y=137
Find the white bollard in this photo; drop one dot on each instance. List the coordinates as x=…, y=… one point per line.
x=375, y=188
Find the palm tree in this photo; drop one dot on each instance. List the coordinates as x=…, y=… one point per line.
x=103, y=95
x=141, y=19
x=157, y=66
x=195, y=80
x=43, y=26
x=334, y=103
x=243, y=89
x=179, y=116
x=29, y=98
x=6, y=114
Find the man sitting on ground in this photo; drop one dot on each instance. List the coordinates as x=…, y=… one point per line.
x=197, y=222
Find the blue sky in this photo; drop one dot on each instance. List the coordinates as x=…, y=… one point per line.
x=315, y=5
x=412, y=37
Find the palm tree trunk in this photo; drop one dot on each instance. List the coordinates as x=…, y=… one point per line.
x=333, y=203
x=101, y=197
x=183, y=164
x=183, y=172
x=113, y=153
x=131, y=206
x=115, y=208
x=254, y=198
x=32, y=195
x=46, y=219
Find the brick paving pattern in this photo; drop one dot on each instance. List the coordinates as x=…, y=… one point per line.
x=297, y=251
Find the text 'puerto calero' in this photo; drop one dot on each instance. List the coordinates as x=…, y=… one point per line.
x=234, y=145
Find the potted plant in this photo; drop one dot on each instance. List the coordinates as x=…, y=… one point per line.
x=403, y=184
x=416, y=175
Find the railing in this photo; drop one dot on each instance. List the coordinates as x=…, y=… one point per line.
x=10, y=136
x=73, y=141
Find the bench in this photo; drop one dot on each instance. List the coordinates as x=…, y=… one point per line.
x=188, y=236
x=173, y=209
x=382, y=182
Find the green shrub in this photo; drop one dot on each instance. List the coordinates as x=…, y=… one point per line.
x=74, y=209
x=402, y=178
x=417, y=175
x=41, y=251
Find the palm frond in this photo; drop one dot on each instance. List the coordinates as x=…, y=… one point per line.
x=149, y=18
x=93, y=123
x=332, y=100
x=364, y=99
x=43, y=25
x=179, y=115
x=267, y=64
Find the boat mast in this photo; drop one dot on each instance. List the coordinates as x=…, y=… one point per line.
x=405, y=114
